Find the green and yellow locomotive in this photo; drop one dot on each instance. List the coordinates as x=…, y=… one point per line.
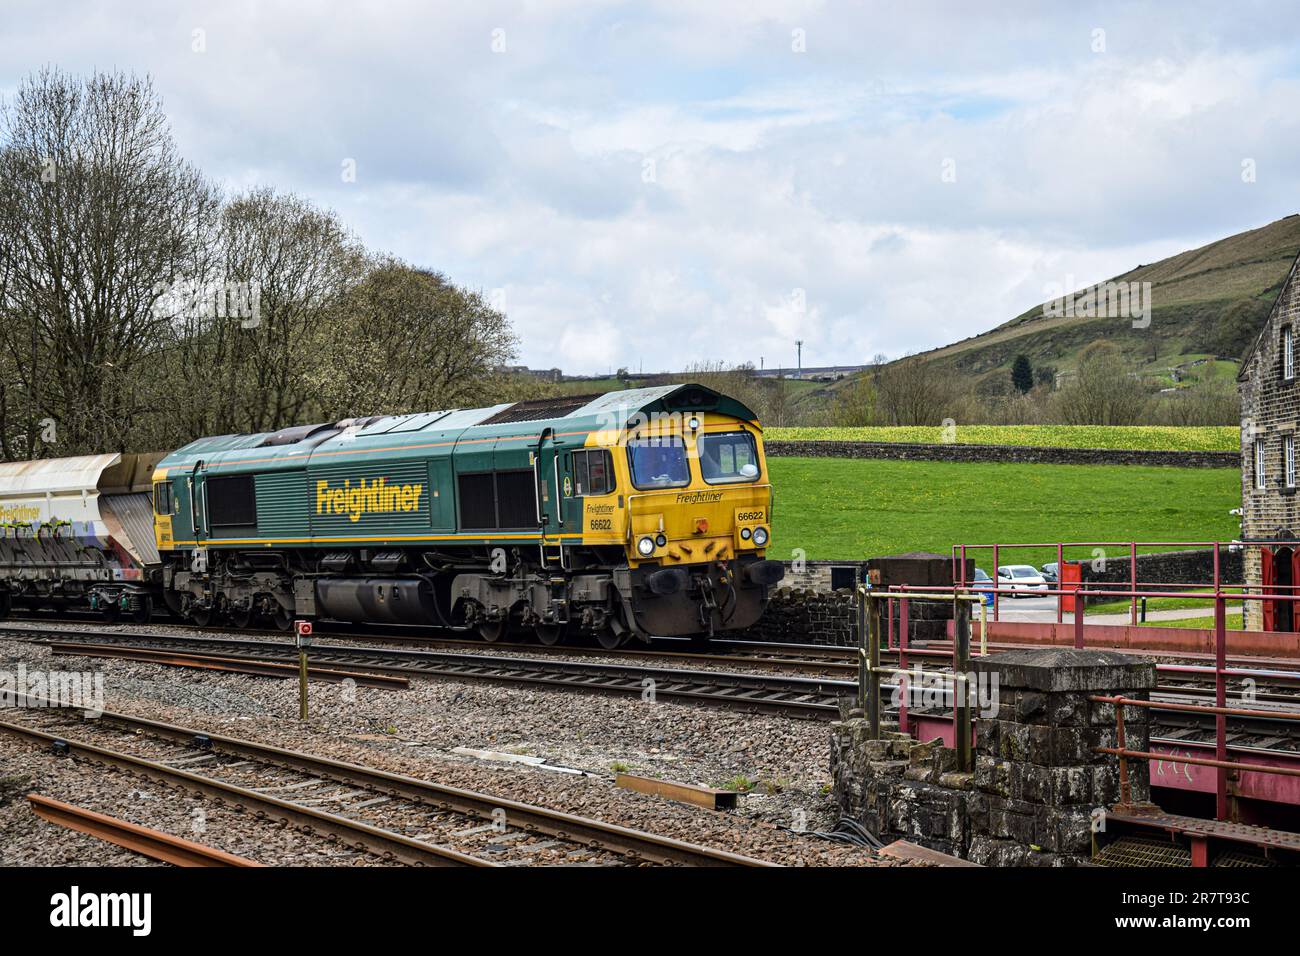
x=635, y=513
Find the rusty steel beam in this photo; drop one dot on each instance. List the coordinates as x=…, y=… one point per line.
x=131, y=836
x=708, y=797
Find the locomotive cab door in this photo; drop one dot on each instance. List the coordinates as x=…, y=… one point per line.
x=555, y=484
x=198, y=494
x=555, y=497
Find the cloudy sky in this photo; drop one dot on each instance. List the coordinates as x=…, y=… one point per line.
x=654, y=184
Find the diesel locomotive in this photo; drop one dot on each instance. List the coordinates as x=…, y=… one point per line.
x=635, y=513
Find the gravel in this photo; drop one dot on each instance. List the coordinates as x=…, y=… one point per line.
x=781, y=763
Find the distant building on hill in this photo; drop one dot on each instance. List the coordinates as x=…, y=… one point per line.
x=1270, y=509
x=545, y=374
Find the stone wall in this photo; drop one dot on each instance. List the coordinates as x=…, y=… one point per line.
x=822, y=575
x=806, y=609
x=1000, y=453
x=1029, y=800
x=1270, y=408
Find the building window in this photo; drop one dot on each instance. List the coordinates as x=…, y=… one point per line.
x=1288, y=353
x=1288, y=459
x=1260, y=476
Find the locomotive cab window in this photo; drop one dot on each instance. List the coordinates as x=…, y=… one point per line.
x=730, y=456
x=593, y=473
x=658, y=462
x=162, y=498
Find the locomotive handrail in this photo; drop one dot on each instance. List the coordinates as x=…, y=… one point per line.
x=559, y=492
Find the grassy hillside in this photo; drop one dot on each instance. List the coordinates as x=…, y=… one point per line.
x=833, y=508
x=1207, y=303
x=1123, y=437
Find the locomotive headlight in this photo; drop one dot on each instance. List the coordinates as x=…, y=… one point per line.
x=760, y=536
x=660, y=540
x=745, y=533
x=694, y=424
x=646, y=546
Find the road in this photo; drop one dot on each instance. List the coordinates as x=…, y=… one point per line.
x=1044, y=609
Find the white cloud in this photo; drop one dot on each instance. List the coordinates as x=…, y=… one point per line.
x=772, y=170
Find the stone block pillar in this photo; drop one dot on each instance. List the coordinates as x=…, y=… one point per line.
x=1038, y=781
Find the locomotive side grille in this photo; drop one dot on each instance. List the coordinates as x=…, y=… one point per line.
x=516, y=499
x=477, y=504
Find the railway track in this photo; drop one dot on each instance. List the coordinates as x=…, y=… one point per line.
x=781, y=657
x=817, y=698
x=402, y=819
x=755, y=693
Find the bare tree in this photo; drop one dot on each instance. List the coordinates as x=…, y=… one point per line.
x=915, y=391
x=98, y=214
x=138, y=310
x=1104, y=390
x=406, y=339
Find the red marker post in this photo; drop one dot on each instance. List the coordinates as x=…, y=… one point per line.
x=302, y=637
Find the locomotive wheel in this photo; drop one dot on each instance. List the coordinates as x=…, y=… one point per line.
x=174, y=604
x=282, y=619
x=143, y=613
x=492, y=631
x=201, y=617
x=549, y=634
x=241, y=617
x=6, y=604
x=111, y=613
x=610, y=641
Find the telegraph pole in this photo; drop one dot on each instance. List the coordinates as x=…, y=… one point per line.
x=798, y=344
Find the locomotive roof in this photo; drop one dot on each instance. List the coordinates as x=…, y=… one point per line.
x=527, y=419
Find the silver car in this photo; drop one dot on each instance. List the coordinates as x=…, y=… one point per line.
x=1021, y=577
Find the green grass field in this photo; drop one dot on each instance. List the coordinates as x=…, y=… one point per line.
x=1232, y=622
x=852, y=508
x=1123, y=437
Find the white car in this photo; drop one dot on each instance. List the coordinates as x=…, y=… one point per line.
x=1021, y=577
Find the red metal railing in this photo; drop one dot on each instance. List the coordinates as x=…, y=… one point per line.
x=1221, y=672
x=1131, y=551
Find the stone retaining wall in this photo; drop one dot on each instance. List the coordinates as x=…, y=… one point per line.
x=1001, y=453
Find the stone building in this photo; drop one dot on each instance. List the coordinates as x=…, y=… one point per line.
x=1270, y=415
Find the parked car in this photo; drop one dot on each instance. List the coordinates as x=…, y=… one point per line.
x=1021, y=577
x=1050, y=572
x=984, y=584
